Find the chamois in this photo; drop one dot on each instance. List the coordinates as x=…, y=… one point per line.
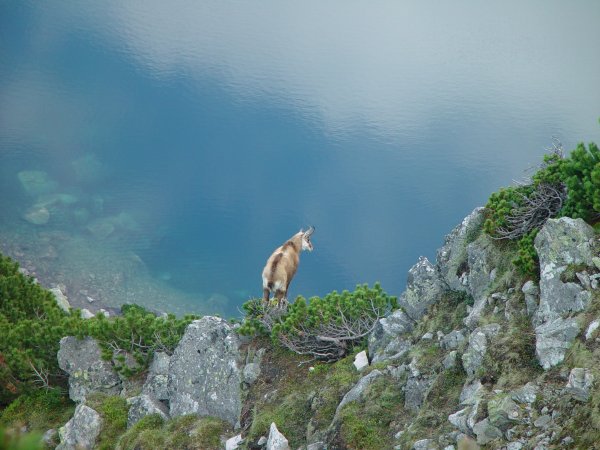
x=283, y=263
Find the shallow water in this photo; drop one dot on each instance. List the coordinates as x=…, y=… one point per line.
x=182, y=142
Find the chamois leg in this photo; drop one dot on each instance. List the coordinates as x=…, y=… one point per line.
x=266, y=293
x=280, y=296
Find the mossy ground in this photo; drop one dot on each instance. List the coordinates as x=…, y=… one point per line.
x=113, y=410
x=293, y=396
x=36, y=412
x=186, y=432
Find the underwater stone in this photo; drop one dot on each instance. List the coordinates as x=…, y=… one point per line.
x=37, y=215
x=36, y=182
x=101, y=228
x=88, y=168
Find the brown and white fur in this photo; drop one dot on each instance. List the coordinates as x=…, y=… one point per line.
x=283, y=263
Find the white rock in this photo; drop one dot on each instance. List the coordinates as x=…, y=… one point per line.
x=86, y=314
x=361, y=361
x=61, y=299
x=591, y=329
x=234, y=442
x=276, y=441
x=427, y=336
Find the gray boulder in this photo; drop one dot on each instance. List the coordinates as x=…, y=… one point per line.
x=453, y=340
x=580, y=383
x=560, y=243
x=424, y=287
x=389, y=339
x=503, y=411
x=416, y=390
x=478, y=340
x=143, y=405
x=204, y=371
x=426, y=444
x=486, y=432
x=356, y=393
x=276, y=441
x=81, y=431
x=88, y=372
x=157, y=381
x=532, y=297
x=481, y=257
x=525, y=394
x=452, y=257
x=252, y=368
x=553, y=339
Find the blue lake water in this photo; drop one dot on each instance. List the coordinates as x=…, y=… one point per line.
x=166, y=148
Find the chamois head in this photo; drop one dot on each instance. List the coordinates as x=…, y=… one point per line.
x=306, y=244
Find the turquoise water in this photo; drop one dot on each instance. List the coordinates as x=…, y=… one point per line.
x=168, y=148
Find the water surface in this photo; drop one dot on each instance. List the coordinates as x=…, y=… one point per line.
x=183, y=141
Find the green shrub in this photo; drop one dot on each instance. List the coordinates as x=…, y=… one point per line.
x=31, y=326
x=527, y=261
x=581, y=174
x=137, y=332
x=18, y=441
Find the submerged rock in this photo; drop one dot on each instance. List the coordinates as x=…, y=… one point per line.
x=205, y=373
x=37, y=215
x=88, y=372
x=81, y=431
x=36, y=182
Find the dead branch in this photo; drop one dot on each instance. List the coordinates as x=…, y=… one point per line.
x=545, y=202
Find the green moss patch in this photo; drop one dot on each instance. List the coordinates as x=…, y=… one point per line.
x=186, y=432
